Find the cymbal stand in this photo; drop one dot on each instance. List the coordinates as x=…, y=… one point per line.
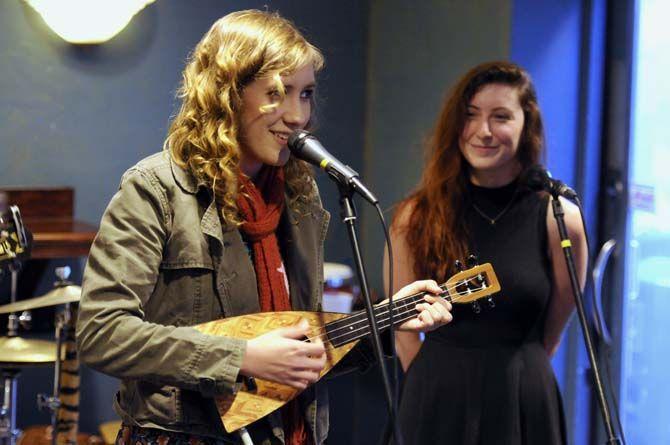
x=8, y=431
x=53, y=403
x=13, y=320
x=9, y=434
x=63, y=326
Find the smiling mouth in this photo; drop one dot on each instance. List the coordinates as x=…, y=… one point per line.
x=281, y=136
x=486, y=147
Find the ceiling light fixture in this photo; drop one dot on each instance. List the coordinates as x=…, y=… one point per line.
x=87, y=21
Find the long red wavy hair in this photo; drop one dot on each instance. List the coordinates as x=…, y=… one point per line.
x=433, y=215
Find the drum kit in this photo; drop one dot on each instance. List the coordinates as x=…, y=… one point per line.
x=17, y=353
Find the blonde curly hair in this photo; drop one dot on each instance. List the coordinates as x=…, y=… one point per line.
x=203, y=136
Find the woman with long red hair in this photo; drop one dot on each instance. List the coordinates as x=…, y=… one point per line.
x=486, y=377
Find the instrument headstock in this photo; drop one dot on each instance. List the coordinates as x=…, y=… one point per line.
x=472, y=284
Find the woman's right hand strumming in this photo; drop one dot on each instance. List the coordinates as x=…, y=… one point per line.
x=282, y=356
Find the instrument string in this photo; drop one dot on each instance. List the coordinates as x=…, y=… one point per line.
x=400, y=316
x=403, y=307
x=402, y=304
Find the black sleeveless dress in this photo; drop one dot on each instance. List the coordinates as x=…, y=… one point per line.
x=485, y=378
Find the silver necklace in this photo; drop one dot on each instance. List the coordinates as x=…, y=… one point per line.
x=495, y=219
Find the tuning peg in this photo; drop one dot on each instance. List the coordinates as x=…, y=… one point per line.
x=491, y=303
x=459, y=266
x=62, y=275
x=471, y=261
x=476, y=308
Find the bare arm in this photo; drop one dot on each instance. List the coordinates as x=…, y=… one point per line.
x=562, y=304
x=407, y=343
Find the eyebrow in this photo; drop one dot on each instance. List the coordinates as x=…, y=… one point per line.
x=501, y=108
x=289, y=86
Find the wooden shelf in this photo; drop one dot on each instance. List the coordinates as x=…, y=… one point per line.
x=60, y=238
x=48, y=214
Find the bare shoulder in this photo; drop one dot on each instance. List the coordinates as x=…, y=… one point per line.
x=573, y=223
x=402, y=215
x=572, y=216
x=403, y=258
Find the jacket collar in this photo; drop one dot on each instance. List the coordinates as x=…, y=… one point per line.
x=210, y=222
x=184, y=178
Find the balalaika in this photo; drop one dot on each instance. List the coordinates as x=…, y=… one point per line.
x=339, y=333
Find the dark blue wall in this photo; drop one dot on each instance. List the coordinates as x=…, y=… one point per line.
x=546, y=40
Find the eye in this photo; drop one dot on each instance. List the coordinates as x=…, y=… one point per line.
x=502, y=117
x=274, y=95
x=307, y=93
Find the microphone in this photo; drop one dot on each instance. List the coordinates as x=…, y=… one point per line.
x=305, y=146
x=538, y=178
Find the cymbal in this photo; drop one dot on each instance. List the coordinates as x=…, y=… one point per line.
x=59, y=295
x=26, y=351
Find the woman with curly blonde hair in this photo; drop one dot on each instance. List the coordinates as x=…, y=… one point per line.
x=222, y=222
x=204, y=135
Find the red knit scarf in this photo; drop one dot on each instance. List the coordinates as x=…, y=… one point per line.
x=261, y=206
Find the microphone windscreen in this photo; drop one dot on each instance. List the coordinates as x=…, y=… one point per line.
x=536, y=178
x=295, y=139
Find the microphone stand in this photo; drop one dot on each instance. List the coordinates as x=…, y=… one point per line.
x=579, y=303
x=348, y=214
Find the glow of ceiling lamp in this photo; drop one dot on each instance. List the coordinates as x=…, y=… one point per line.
x=87, y=21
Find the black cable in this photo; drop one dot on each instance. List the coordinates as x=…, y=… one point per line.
x=394, y=379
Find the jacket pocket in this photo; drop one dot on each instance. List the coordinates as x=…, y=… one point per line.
x=156, y=403
x=184, y=295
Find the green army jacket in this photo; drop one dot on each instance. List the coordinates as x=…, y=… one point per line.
x=162, y=261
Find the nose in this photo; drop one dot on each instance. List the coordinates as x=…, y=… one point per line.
x=296, y=112
x=484, y=130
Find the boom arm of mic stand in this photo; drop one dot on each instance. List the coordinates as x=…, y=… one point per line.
x=348, y=214
x=559, y=214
